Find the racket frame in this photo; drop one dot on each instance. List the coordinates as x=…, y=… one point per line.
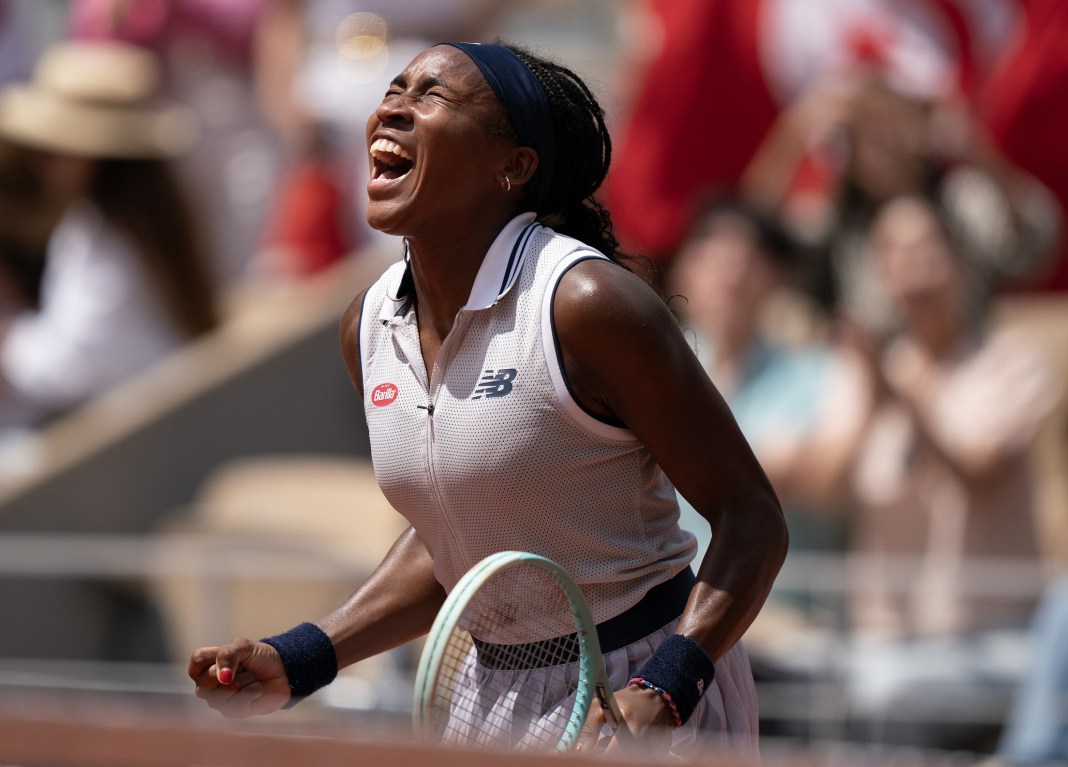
x=592, y=677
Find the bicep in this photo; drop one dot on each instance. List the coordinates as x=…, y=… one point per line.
x=627, y=353
x=628, y=359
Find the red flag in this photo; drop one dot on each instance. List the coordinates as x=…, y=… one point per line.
x=699, y=114
x=725, y=69
x=1025, y=107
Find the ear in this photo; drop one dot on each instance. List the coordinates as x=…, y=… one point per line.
x=520, y=165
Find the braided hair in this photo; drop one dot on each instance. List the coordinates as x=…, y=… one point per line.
x=583, y=155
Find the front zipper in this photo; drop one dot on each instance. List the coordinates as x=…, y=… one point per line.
x=452, y=340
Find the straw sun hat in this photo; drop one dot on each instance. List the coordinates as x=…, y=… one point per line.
x=96, y=99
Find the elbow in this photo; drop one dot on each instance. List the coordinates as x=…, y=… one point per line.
x=766, y=531
x=768, y=544
x=770, y=555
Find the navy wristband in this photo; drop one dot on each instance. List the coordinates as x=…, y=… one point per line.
x=682, y=668
x=308, y=657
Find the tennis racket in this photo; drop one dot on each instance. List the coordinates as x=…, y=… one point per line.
x=512, y=660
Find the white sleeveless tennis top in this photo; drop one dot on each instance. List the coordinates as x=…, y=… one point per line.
x=491, y=452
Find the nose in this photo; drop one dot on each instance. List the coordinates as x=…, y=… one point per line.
x=394, y=108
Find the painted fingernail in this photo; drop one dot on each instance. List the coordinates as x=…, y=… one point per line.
x=226, y=675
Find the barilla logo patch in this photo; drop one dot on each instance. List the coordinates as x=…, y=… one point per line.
x=383, y=395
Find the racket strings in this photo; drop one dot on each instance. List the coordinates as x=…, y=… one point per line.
x=550, y=652
x=509, y=694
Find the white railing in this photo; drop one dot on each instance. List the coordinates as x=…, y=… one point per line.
x=819, y=700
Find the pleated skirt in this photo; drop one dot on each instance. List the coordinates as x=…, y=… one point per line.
x=521, y=704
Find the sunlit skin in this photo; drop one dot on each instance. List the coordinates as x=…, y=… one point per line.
x=437, y=110
x=622, y=351
x=450, y=205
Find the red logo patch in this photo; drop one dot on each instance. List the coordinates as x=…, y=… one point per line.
x=383, y=395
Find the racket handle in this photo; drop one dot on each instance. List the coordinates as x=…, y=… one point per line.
x=612, y=714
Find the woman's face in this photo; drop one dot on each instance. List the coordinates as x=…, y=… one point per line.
x=725, y=276
x=889, y=144
x=916, y=260
x=433, y=160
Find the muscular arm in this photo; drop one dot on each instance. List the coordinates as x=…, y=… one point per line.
x=626, y=357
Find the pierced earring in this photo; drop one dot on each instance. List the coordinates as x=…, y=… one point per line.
x=507, y=184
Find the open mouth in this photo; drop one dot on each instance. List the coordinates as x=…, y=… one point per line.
x=389, y=161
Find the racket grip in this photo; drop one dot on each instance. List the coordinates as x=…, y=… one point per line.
x=612, y=713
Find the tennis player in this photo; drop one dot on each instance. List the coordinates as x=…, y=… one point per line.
x=524, y=390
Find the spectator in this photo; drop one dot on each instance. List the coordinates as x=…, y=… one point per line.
x=125, y=281
x=736, y=277
x=730, y=273
x=846, y=146
x=733, y=66
x=208, y=52
x=941, y=421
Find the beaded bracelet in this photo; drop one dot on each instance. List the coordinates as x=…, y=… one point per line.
x=637, y=680
x=308, y=657
x=680, y=666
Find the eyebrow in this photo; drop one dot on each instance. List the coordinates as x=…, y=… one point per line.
x=430, y=81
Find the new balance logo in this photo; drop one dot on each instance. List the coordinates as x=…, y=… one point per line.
x=495, y=383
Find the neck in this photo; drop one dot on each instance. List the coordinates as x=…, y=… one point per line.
x=444, y=266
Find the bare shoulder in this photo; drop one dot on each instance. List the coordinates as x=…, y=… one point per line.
x=616, y=337
x=599, y=297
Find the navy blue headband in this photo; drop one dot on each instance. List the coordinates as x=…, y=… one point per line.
x=524, y=100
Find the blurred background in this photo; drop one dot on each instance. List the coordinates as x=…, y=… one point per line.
x=855, y=207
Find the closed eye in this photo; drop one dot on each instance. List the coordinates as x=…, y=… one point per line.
x=429, y=86
x=441, y=93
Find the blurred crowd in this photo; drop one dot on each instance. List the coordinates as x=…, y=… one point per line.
x=836, y=197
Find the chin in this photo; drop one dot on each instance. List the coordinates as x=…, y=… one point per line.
x=385, y=221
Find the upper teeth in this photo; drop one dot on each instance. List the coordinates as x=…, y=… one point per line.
x=385, y=145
